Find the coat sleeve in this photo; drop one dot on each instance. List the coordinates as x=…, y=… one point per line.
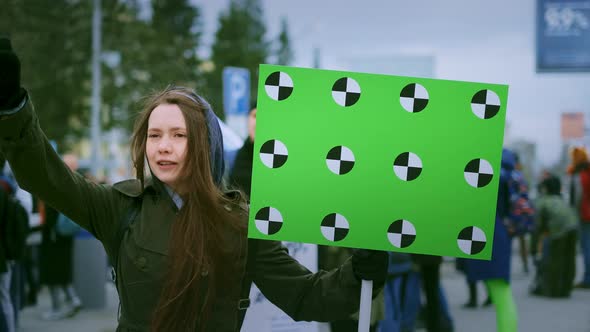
x=301, y=294
x=40, y=171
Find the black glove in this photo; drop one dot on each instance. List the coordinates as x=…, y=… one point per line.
x=370, y=264
x=11, y=93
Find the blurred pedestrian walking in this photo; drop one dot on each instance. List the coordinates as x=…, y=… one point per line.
x=557, y=241
x=496, y=272
x=520, y=220
x=401, y=294
x=57, y=261
x=579, y=192
x=7, y=322
x=14, y=230
x=472, y=300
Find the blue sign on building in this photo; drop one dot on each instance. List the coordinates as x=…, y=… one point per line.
x=563, y=35
x=236, y=91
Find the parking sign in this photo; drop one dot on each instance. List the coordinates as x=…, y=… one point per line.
x=236, y=91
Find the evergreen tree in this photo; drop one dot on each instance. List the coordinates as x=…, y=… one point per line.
x=284, y=52
x=239, y=42
x=155, y=52
x=177, y=32
x=52, y=40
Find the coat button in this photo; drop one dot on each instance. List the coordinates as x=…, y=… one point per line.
x=227, y=207
x=141, y=262
x=204, y=273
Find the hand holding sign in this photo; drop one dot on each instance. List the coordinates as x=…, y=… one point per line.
x=370, y=265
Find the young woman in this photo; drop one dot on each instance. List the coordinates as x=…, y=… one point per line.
x=184, y=258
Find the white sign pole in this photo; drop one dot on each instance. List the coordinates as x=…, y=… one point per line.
x=365, y=306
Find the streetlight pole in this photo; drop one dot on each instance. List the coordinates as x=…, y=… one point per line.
x=96, y=98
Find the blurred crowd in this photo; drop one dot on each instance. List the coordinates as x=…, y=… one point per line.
x=36, y=251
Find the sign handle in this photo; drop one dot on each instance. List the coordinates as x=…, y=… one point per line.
x=365, y=306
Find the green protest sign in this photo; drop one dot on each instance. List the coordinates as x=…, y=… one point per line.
x=379, y=162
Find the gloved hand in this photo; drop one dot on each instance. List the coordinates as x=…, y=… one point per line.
x=370, y=264
x=11, y=93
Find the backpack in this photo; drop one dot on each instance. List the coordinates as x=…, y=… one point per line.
x=521, y=212
x=15, y=227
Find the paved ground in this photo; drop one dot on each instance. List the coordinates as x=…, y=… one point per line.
x=535, y=314
x=85, y=321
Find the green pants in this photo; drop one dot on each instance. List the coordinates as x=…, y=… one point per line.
x=506, y=315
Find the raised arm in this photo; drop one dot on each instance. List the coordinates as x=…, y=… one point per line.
x=37, y=167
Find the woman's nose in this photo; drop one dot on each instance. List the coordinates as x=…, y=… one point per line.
x=164, y=145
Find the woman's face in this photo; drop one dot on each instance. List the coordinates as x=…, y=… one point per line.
x=166, y=144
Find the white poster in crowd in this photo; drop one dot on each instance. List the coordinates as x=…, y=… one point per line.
x=263, y=316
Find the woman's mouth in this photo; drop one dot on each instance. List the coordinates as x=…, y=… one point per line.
x=166, y=165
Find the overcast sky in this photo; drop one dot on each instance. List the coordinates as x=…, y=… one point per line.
x=480, y=41
x=384, y=26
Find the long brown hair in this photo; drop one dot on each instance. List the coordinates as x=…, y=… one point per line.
x=196, y=240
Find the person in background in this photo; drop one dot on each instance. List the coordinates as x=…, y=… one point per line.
x=429, y=267
x=472, y=300
x=23, y=201
x=557, y=241
x=579, y=175
x=241, y=173
x=29, y=265
x=496, y=272
x=534, y=239
x=521, y=220
x=434, y=313
x=402, y=294
x=57, y=262
x=7, y=321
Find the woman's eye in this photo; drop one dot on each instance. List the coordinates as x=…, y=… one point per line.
x=153, y=135
x=180, y=135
